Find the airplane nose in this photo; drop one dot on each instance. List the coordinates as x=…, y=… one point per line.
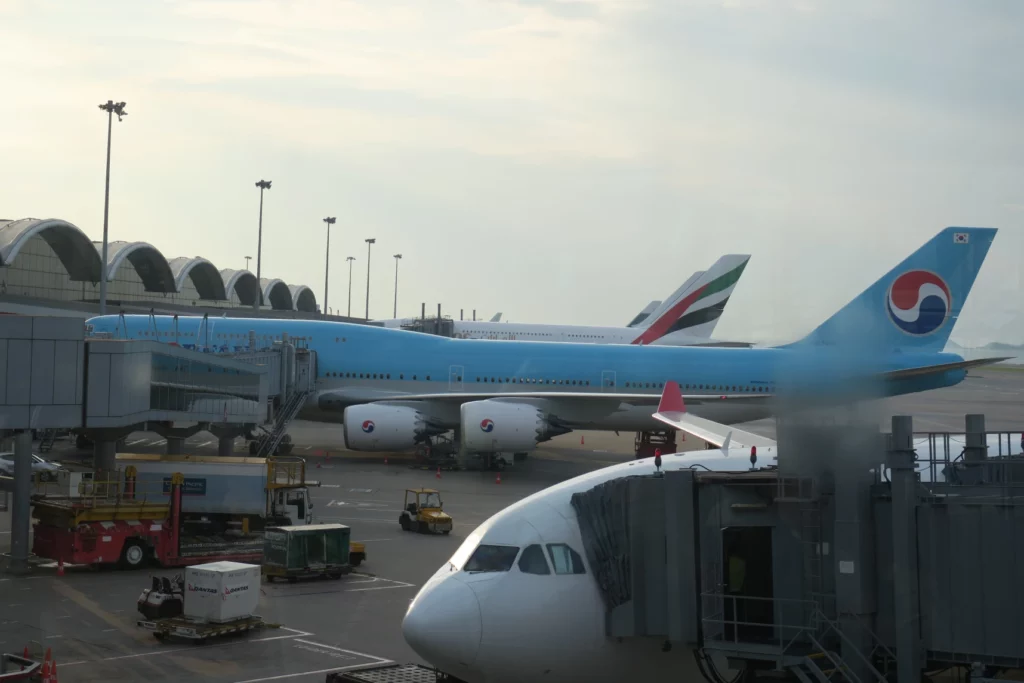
x=443, y=625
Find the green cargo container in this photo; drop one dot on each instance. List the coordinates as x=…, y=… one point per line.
x=306, y=551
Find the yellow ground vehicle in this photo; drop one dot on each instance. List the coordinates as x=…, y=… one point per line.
x=422, y=512
x=356, y=553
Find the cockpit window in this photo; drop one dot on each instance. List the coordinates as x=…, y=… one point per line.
x=565, y=559
x=532, y=561
x=492, y=558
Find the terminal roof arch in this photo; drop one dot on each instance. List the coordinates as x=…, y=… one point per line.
x=278, y=294
x=243, y=283
x=73, y=247
x=205, y=276
x=303, y=298
x=148, y=262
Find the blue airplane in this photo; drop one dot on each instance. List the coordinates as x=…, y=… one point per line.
x=394, y=388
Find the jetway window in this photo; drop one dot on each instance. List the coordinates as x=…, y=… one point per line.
x=533, y=562
x=492, y=558
x=565, y=559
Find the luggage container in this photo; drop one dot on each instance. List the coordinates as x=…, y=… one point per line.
x=314, y=550
x=220, y=592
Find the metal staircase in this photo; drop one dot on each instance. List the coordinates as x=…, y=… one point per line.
x=46, y=440
x=271, y=439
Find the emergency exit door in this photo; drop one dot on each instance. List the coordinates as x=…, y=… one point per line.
x=455, y=378
x=608, y=381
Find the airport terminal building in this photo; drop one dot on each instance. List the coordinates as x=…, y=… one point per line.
x=51, y=267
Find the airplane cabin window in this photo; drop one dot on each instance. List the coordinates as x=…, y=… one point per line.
x=492, y=558
x=532, y=561
x=565, y=559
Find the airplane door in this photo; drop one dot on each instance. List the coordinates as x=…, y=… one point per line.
x=455, y=378
x=608, y=381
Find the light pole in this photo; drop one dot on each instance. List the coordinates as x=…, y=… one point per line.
x=398, y=257
x=111, y=108
x=263, y=185
x=370, y=243
x=350, y=259
x=247, y=259
x=327, y=268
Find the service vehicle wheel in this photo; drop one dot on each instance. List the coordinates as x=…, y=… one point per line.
x=133, y=555
x=404, y=523
x=446, y=531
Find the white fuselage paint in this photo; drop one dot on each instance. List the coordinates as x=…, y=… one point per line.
x=507, y=627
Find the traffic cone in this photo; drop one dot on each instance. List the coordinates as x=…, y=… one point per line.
x=60, y=567
x=581, y=439
x=318, y=465
x=24, y=655
x=45, y=672
x=53, y=671
x=328, y=456
x=385, y=460
x=497, y=479
x=438, y=473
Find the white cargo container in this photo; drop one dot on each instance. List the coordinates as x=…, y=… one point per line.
x=218, y=592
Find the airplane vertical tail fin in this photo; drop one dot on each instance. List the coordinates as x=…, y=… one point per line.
x=916, y=304
x=696, y=312
x=644, y=314
x=495, y=318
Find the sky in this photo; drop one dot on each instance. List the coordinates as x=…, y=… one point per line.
x=561, y=161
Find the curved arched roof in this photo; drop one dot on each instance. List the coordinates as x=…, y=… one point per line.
x=303, y=298
x=243, y=283
x=148, y=262
x=205, y=277
x=72, y=246
x=277, y=293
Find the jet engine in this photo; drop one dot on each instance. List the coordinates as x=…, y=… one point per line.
x=492, y=426
x=376, y=427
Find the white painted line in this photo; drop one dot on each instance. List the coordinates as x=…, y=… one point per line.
x=158, y=442
x=205, y=443
x=375, y=540
x=326, y=486
x=132, y=443
x=108, y=630
x=379, y=588
x=5, y=532
x=56, y=636
x=306, y=448
x=318, y=671
x=229, y=643
x=338, y=649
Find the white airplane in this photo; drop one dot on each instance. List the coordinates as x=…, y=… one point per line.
x=645, y=313
x=687, y=318
x=518, y=600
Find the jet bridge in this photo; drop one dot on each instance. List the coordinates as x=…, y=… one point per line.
x=52, y=377
x=876, y=567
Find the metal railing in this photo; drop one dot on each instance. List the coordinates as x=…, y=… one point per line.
x=813, y=633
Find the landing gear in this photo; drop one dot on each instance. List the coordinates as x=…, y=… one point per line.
x=648, y=442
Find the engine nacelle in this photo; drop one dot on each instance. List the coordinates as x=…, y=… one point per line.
x=385, y=428
x=495, y=426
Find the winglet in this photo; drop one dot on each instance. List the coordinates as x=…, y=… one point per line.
x=671, y=399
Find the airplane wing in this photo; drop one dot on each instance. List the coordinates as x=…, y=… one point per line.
x=944, y=367
x=672, y=411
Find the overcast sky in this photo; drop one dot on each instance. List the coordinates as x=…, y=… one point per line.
x=557, y=160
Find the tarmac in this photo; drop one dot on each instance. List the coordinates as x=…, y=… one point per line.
x=87, y=617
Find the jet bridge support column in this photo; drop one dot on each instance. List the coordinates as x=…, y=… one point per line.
x=977, y=445
x=21, y=515
x=175, y=445
x=859, y=450
x=104, y=456
x=226, y=446
x=904, y=550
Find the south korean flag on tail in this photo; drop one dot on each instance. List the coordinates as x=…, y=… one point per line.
x=960, y=238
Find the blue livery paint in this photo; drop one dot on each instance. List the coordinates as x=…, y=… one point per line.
x=361, y=363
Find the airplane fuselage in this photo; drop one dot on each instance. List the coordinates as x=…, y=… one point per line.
x=361, y=363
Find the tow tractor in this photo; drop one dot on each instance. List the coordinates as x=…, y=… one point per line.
x=422, y=512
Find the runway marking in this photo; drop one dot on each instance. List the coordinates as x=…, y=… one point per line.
x=229, y=643
x=330, y=486
x=318, y=671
